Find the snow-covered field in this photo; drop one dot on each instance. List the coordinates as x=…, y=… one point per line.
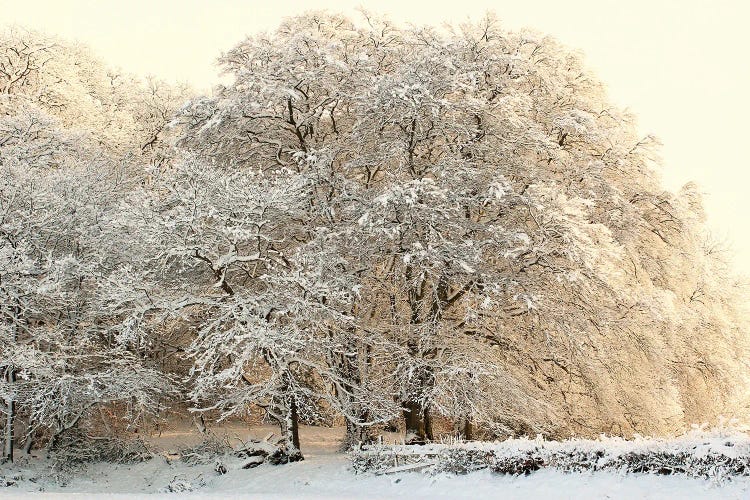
x=326, y=474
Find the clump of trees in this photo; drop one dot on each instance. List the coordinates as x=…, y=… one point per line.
x=73, y=138
x=369, y=225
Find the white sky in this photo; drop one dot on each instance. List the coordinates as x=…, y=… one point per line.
x=681, y=66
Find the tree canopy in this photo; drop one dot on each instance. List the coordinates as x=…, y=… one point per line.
x=447, y=230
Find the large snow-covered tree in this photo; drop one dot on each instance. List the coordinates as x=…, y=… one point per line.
x=494, y=202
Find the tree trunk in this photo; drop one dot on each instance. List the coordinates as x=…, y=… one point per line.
x=428, y=425
x=10, y=401
x=10, y=419
x=416, y=412
x=200, y=423
x=416, y=428
x=357, y=434
x=294, y=424
x=290, y=429
x=352, y=371
x=29, y=443
x=465, y=429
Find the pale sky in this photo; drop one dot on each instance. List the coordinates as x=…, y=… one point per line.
x=680, y=65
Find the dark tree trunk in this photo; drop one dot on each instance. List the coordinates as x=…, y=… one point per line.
x=415, y=409
x=353, y=370
x=288, y=419
x=10, y=402
x=200, y=423
x=416, y=412
x=357, y=435
x=294, y=423
x=10, y=419
x=465, y=429
x=29, y=443
x=9, y=440
x=428, y=425
x=414, y=418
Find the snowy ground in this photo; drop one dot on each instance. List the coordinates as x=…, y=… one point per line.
x=325, y=474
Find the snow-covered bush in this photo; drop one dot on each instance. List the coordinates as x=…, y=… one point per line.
x=180, y=485
x=206, y=451
x=461, y=460
x=717, y=456
x=216, y=449
x=75, y=447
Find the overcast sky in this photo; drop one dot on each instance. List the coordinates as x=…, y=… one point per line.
x=681, y=66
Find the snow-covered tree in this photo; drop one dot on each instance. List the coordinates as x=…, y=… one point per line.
x=495, y=206
x=56, y=357
x=125, y=116
x=218, y=245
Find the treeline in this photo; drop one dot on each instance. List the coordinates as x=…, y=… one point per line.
x=370, y=225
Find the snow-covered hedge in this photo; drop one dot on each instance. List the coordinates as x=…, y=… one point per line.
x=714, y=455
